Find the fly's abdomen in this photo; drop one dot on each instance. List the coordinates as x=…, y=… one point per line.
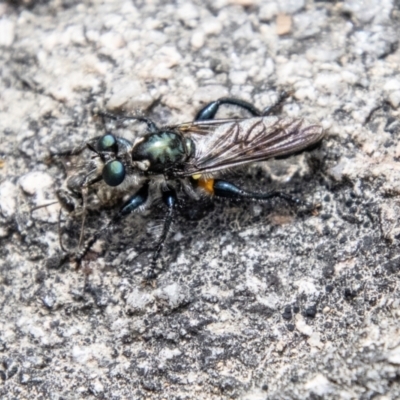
x=160, y=151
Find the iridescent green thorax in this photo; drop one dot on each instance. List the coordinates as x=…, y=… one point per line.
x=162, y=150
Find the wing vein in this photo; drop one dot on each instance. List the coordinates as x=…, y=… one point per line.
x=235, y=142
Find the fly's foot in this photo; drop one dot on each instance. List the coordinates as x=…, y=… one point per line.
x=76, y=259
x=307, y=208
x=150, y=277
x=153, y=269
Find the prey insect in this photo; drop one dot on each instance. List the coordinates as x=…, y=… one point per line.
x=182, y=160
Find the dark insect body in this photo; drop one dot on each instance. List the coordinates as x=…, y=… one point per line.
x=184, y=158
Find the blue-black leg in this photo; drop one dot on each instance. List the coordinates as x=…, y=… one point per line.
x=210, y=110
x=152, y=127
x=229, y=190
x=170, y=199
x=137, y=200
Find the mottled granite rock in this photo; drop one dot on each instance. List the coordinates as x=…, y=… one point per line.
x=257, y=301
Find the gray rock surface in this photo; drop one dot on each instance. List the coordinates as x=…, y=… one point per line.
x=257, y=301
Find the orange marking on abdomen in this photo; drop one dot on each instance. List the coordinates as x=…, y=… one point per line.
x=207, y=185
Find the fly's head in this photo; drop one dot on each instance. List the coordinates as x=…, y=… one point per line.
x=156, y=153
x=114, y=154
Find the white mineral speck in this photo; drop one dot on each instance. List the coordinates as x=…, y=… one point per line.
x=315, y=340
x=210, y=93
x=35, y=181
x=198, y=39
x=212, y=26
x=7, y=32
x=290, y=6
x=74, y=34
x=302, y=327
x=36, y=331
x=178, y=237
x=112, y=40
x=319, y=385
x=394, y=98
x=366, y=10
x=392, y=88
x=187, y=11
x=329, y=81
x=173, y=294
x=137, y=300
x=129, y=93
x=97, y=387
x=204, y=73
x=394, y=356
x=238, y=77
x=244, y=2
x=92, y=35
x=170, y=56
x=81, y=355
x=161, y=71
x=307, y=287
x=268, y=11
x=3, y=232
x=169, y=354
x=8, y=195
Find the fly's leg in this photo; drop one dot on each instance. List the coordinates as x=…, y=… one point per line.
x=84, y=205
x=210, y=110
x=170, y=199
x=228, y=190
x=152, y=127
x=222, y=188
x=135, y=202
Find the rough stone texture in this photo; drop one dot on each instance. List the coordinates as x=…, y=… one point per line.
x=257, y=301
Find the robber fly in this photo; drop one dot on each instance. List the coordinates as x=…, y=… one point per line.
x=185, y=158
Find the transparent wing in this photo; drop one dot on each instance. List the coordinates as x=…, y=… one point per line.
x=227, y=143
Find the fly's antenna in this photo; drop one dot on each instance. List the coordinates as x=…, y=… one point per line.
x=43, y=206
x=60, y=233
x=84, y=205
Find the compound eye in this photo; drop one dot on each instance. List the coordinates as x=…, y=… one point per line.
x=114, y=173
x=108, y=143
